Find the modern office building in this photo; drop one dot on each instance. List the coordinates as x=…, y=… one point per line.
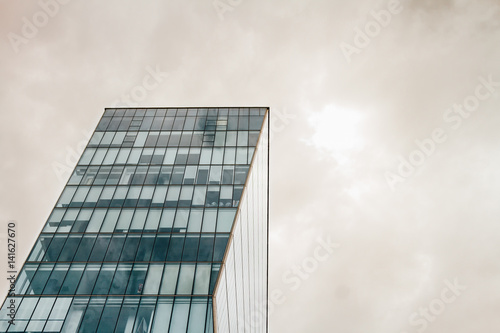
x=162, y=227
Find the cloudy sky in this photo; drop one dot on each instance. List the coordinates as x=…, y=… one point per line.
x=385, y=168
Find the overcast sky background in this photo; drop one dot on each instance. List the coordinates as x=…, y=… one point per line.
x=340, y=126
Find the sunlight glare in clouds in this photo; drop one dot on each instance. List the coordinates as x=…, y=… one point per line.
x=337, y=131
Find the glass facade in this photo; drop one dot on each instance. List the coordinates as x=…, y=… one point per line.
x=162, y=227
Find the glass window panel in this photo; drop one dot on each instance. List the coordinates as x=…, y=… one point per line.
x=241, y=156
x=175, y=138
x=137, y=278
x=152, y=176
x=225, y=220
x=153, y=220
x=40, y=278
x=243, y=138
x=220, y=247
x=172, y=196
x=56, y=279
x=195, y=219
x=197, y=315
x=100, y=247
x=99, y=156
x=102, y=175
x=88, y=279
x=92, y=314
x=119, y=196
x=253, y=137
x=92, y=197
x=232, y=123
x=180, y=315
x=132, y=196
x=85, y=247
x=186, y=139
x=213, y=279
x=151, y=139
x=226, y=196
x=110, y=156
x=186, y=196
x=215, y=174
x=231, y=138
x=115, y=248
x=179, y=122
x=160, y=248
x=110, y=315
x=209, y=220
x=146, y=156
x=90, y=175
x=145, y=315
x=25, y=278
x=141, y=139
x=186, y=278
x=55, y=247
x=66, y=196
x=181, y=219
x=229, y=155
x=153, y=280
x=163, y=314
x=96, y=220
x=54, y=220
x=130, y=247
x=72, y=279
x=146, y=196
x=82, y=220
x=79, y=196
x=145, y=248
x=120, y=279
x=58, y=314
x=77, y=175
x=170, y=155
x=182, y=156
x=194, y=156
x=96, y=138
x=206, y=155
x=158, y=156
x=163, y=139
x=68, y=220
x=202, y=175
x=202, y=279
x=125, y=123
x=217, y=155
x=169, y=281
x=237, y=191
x=127, y=176
x=40, y=314
x=134, y=156
x=165, y=174
x=110, y=220
x=118, y=139
x=175, y=249
x=250, y=154
x=114, y=175
x=243, y=123
x=159, y=196
x=75, y=314
x=199, y=196
x=190, y=174
x=115, y=122
x=138, y=220
x=157, y=122
x=87, y=156
x=39, y=249
x=212, y=196
x=70, y=247
x=104, y=279
x=197, y=139
x=227, y=174
x=122, y=156
x=190, y=247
